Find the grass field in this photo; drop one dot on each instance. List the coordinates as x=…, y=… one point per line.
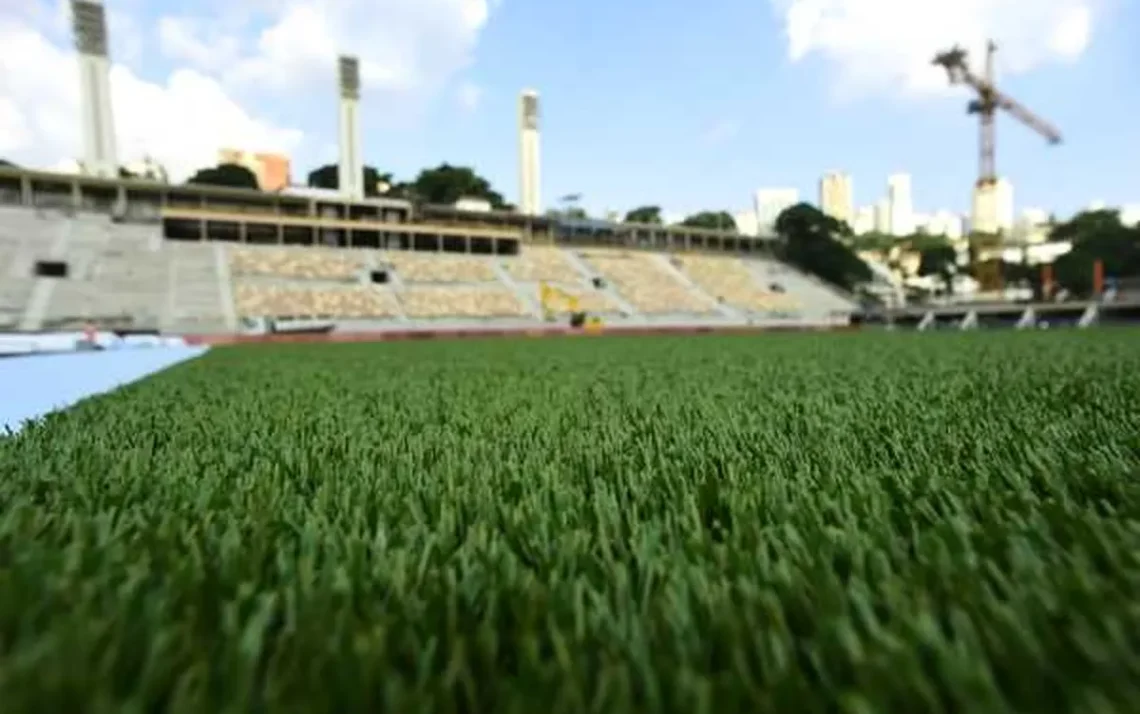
x=829, y=523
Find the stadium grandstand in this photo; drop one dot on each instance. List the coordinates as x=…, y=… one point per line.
x=141, y=255
x=98, y=250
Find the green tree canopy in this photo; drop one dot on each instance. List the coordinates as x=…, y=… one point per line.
x=714, y=220
x=5, y=163
x=937, y=258
x=810, y=240
x=645, y=214
x=446, y=184
x=229, y=175
x=328, y=176
x=1095, y=235
x=874, y=241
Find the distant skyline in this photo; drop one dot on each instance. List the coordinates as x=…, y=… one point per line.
x=642, y=103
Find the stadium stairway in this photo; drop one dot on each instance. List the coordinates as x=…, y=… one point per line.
x=525, y=296
x=589, y=274
x=225, y=287
x=818, y=301
x=44, y=288
x=666, y=263
x=195, y=296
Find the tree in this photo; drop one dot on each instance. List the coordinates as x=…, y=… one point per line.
x=936, y=257
x=6, y=164
x=229, y=175
x=714, y=220
x=328, y=176
x=645, y=214
x=874, y=241
x=810, y=240
x=1095, y=235
x=446, y=184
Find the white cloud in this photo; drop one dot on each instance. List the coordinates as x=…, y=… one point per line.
x=182, y=122
x=888, y=45
x=468, y=95
x=179, y=37
x=403, y=45
x=223, y=58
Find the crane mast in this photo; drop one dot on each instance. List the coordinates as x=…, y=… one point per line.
x=986, y=104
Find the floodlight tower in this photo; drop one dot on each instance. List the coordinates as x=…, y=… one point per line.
x=350, y=166
x=89, y=29
x=529, y=202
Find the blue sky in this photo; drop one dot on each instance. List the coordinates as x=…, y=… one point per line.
x=668, y=102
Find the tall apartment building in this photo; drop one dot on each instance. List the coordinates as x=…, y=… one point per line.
x=946, y=223
x=882, y=214
x=746, y=223
x=271, y=170
x=770, y=203
x=864, y=220
x=901, y=204
x=836, y=196
x=993, y=208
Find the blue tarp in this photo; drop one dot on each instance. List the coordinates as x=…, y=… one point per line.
x=34, y=385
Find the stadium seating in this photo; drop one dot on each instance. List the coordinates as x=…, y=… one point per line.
x=729, y=279
x=355, y=302
x=542, y=264
x=127, y=274
x=14, y=294
x=463, y=302
x=439, y=268
x=118, y=275
x=198, y=302
x=310, y=263
x=810, y=298
x=645, y=283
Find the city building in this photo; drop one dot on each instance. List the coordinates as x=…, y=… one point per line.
x=946, y=223
x=529, y=176
x=883, y=216
x=901, y=205
x=864, y=220
x=1032, y=226
x=770, y=203
x=271, y=170
x=836, y=197
x=746, y=222
x=993, y=208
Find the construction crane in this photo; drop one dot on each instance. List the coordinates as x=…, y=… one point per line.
x=989, y=100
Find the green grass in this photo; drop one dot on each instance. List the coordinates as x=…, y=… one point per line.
x=831, y=523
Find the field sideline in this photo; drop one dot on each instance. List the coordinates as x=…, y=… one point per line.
x=855, y=523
